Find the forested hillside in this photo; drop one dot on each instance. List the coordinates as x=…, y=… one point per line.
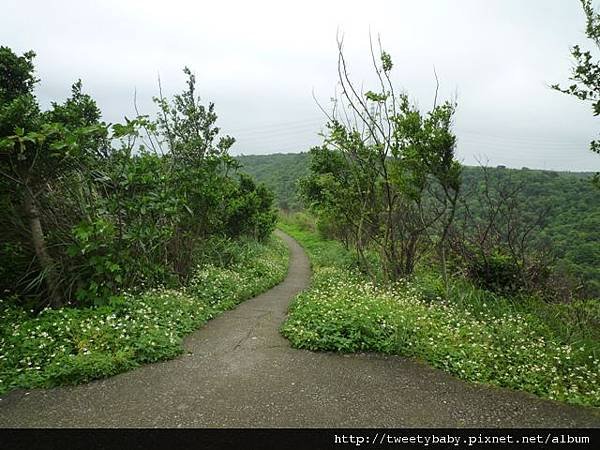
x=279, y=172
x=568, y=202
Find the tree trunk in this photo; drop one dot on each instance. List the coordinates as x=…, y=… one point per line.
x=39, y=244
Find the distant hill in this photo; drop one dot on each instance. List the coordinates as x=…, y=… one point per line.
x=573, y=223
x=280, y=172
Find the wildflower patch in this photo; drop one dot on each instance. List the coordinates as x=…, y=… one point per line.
x=68, y=345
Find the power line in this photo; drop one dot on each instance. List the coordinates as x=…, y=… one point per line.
x=301, y=134
x=305, y=129
x=309, y=124
x=271, y=126
x=513, y=137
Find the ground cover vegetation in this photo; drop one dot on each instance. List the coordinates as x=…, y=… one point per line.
x=74, y=345
x=407, y=261
x=549, y=349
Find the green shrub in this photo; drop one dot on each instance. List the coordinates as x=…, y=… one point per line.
x=92, y=210
x=497, y=272
x=302, y=221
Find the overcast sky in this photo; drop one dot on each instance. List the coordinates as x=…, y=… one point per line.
x=260, y=61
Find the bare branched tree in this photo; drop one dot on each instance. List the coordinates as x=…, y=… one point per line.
x=497, y=241
x=381, y=160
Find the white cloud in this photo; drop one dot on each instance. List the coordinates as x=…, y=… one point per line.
x=260, y=61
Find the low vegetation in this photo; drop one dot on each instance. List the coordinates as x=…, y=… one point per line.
x=74, y=345
x=549, y=350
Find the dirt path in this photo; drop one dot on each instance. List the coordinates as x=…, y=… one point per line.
x=239, y=372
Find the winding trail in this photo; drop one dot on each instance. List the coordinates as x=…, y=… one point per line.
x=238, y=371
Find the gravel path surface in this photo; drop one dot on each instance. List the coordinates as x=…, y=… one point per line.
x=239, y=372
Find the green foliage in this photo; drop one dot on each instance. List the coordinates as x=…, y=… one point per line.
x=323, y=252
x=16, y=74
x=280, y=173
x=36, y=152
x=369, y=183
x=475, y=335
x=570, y=212
x=498, y=273
x=249, y=210
x=94, y=209
x=68, y=345
x=189, y=127
x=301, y=220
x=371, y=180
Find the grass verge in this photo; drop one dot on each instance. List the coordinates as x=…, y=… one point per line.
x=69, y=346
x=474, y=335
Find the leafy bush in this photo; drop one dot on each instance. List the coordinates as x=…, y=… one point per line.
x=250, y=211
x=498, y=273
x=301, y=220
x=92, y=210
